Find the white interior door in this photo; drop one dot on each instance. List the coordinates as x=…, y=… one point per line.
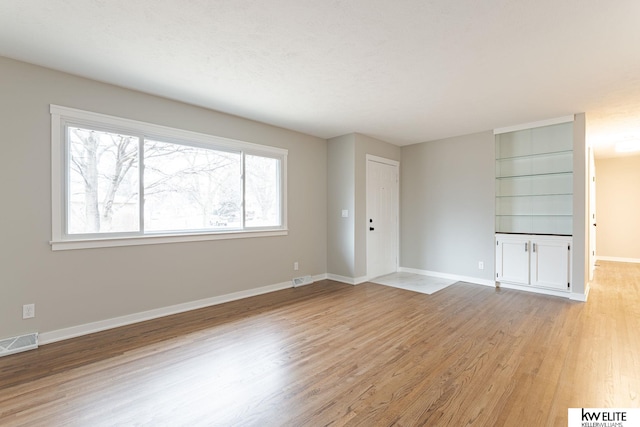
x=382, y=216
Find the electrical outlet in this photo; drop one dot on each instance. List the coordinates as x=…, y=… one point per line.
x=28, y=311
x=295, y=266
x=480, y=265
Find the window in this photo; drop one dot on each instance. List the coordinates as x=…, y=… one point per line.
x=121, y=182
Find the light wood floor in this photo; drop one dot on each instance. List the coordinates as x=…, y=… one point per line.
x=334, y=354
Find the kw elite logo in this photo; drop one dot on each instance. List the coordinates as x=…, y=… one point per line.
x=604, y=417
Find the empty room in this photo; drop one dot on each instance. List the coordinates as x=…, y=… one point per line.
x=319, y=213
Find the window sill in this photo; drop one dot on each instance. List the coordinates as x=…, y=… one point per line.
x=110, y=242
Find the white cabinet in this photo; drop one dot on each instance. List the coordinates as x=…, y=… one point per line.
x=539, y=261
x=512, y=259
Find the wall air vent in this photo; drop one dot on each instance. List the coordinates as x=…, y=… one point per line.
x=17, y=344
x=301, y=281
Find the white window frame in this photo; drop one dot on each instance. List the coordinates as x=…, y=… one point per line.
x=63, y=116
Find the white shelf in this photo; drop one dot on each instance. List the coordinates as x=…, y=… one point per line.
x=542, y=140
x=538, y=164
x=534, y=180
x=547, y=224
x=535, y=205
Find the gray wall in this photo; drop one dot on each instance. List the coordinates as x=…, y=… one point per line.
x=347, y=189
x=446, y=224
x=75, y=287
x=341, y=190
x=447, y=206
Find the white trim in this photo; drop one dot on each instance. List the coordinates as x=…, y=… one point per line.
x=533, y=290
x=581, y=297
x=57, y=177
x=285, y=192
x=102, y=325
x=153, y=130
x=617, y=259
x=63, y=245
x=574, y=296
x=361, y=279
x=382, y=160
x=89, y=328
x=467, y=279
x=541, y=123
x=347, y=280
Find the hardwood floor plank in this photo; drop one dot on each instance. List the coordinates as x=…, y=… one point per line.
x=334, y=354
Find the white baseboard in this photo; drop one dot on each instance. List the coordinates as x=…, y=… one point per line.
x=456, y=277
x=581, y=297
x=92, y=327
x=574, y=296
x=535, y=290
x=361, y=279
x=347, y=280
x=89, y=328
x=617, y=259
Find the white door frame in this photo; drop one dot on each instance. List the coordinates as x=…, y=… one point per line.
x=592, y=217
x=396, y=164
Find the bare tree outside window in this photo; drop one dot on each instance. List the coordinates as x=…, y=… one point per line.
x=262, y=191
x=191, y=188
x=103, y=182
x=186, y=187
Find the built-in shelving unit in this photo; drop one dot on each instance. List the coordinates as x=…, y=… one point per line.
x=534, y=180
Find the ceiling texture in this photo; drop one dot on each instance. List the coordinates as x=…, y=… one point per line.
x=405, y=71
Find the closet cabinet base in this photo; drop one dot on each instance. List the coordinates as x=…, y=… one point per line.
x=536, y=263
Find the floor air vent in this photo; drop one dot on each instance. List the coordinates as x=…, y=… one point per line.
x=17, y=344
x=299, y=281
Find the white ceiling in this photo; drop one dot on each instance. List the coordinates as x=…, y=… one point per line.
x=404, y=71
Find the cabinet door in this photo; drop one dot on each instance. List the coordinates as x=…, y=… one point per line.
x=512, y=260
x=550, y=264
